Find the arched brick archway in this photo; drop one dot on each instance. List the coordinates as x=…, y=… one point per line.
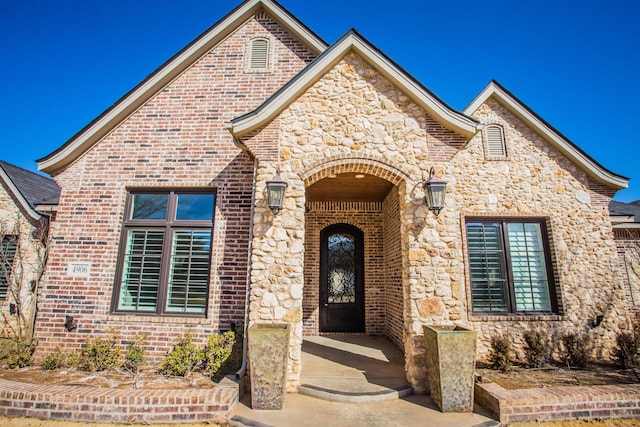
x=379, y=220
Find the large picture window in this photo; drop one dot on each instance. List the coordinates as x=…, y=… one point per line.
x=166, y=253
x=510, y=268
x=7, y=256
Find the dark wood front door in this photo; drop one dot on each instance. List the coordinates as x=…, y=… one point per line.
x=341, y=279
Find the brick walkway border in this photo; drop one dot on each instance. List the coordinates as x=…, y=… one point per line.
x=559, y=403
x=93, y=404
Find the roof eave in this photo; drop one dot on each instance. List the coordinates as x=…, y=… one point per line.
x=26, y=207
x=568, y=148
x=129, y=103
x=352, y=41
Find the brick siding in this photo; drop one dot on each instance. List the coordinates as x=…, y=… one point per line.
x=176, y=140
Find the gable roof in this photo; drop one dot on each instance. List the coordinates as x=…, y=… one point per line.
x=28, y=188
x=353, y=41
x=549, y=133
x=131, y=101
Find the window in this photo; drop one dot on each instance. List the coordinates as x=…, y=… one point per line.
x=7, y=256
x=259, y=55
x=494, y=142
x=510, y=268
x=166, y=253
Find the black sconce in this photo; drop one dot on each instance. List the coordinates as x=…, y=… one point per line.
x=435, y=190
x=69, y=324
x=594, y=323
x=275, y=193
x=13, y=309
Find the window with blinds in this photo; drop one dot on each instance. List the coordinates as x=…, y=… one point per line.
x=165, y=262
x=509, y=266
x=7, y=257
x=259, y=58
x=495, y=142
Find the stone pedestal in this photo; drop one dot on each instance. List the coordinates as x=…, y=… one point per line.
x=451, y=361
x=268, y=350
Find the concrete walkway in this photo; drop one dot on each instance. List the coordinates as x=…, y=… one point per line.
x=354, y=381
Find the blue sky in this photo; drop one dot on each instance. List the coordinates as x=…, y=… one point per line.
x=576, y=63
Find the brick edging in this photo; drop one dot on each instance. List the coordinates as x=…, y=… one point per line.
x=93, y=404
x=559, y=403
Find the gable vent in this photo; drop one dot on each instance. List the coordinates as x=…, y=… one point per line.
x=259, y=54
x=495, y=141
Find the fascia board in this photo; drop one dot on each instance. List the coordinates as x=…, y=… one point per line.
x=627, y=226
x=520, y=111
x=167, y=73
x=244, y=124
x=18, y=195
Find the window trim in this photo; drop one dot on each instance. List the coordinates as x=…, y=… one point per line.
x=169, y=225
x=549, y=264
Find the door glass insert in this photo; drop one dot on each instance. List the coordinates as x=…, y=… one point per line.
x=341, y=268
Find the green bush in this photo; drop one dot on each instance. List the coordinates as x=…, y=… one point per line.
x=60, y=359
x=134, y=358
x=100, y=354
x=184, y=359
x=218, y=353
x=500, y=354
x=576, y=350
x=19, y=353
x=536, y=349
x=626, y=350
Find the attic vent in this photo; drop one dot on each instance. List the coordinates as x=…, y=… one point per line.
x=495, y=142
x=259, y=54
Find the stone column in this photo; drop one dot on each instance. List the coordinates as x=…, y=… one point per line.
x=277, y=262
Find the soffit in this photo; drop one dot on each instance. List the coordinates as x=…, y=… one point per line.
x=346, y=187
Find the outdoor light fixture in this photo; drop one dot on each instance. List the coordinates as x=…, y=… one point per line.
x=275, y=192
x=69, y=324
x=434, y=192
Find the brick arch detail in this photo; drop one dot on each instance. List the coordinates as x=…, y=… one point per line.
x=371, y=165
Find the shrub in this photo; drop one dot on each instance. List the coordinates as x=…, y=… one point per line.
x=19, y=353
x=134, y=358
x=626, y=350
x=500, y=354
x=100, y=354
x=184, y=359
x=218, y=352
x=536, y=349
x=576, y=350
x=60, y=359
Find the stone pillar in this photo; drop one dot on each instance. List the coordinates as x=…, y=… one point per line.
x=277, y=262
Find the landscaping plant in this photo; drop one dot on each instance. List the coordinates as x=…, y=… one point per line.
x=536, y=349
x=575, y=351
x=500, y=355
x=100, y=354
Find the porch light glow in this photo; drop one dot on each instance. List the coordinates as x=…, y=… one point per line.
x=275, y=193
x=434, y=192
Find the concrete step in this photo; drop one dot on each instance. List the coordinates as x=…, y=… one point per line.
x=331, y=395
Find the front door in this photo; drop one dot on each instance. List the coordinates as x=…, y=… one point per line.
x=341, y=279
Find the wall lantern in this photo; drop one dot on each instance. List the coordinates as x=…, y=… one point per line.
x=275, y=192
x=434, y=192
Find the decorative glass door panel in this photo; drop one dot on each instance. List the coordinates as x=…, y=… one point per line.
x=341, y=279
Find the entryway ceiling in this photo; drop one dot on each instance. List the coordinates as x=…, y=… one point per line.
x=346, y=187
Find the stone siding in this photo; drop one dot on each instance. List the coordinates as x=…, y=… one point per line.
x=537, y=181
x=29, y=262
x=176, y=140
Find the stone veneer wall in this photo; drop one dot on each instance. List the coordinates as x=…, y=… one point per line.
x=177, y=139
x=28, y=261
x=354, y=120
x=537, y=181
